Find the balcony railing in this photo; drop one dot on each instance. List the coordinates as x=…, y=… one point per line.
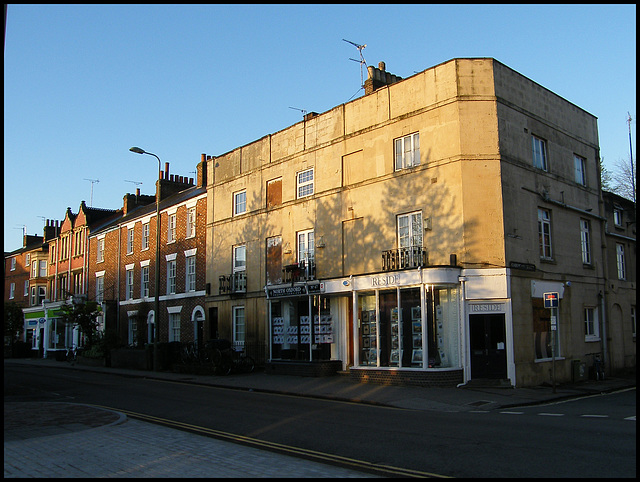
x=305, y=270
x=233, y=283
x=404, y=258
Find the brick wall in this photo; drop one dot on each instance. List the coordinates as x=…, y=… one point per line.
x=411, y=378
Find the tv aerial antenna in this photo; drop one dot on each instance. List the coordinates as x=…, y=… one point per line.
x=92, y=181
x=361, y=61
x=137, y=183
x=304, y=112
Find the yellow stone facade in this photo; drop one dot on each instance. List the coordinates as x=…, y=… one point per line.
x=475, y=187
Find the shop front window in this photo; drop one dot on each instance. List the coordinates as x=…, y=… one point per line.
x=60, y=334
x=442, y=327
x=410, y=328
x=297, y=333
x=367, y=329
x=394, y=333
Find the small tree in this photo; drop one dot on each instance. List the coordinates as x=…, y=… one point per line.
x=84, y=314
x=13, y=321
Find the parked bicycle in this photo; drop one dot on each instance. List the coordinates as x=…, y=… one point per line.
x=242, y=363
x=189, y=354
x=217, y=353
x=72, y=354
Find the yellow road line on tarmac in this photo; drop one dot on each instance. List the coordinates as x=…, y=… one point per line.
x=296, y=451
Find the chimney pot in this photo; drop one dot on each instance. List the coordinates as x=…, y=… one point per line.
x=382, y=66
x=166, y=170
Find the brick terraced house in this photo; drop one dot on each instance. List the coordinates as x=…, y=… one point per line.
x=122, y=263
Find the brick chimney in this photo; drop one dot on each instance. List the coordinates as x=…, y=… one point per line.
x=201, y=169
x=378, y=77
x=51, y=230
x=132, y=201
x=171, y=184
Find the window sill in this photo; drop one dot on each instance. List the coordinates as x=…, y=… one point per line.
x=591, y=339
x=542, y=360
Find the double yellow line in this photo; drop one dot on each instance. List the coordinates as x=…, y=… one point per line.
x=378, y=469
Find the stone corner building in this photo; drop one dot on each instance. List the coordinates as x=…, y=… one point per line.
x=411, y=234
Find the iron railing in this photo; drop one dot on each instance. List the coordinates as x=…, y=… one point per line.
x=404, y=258
x=233, y=283
x=305, y=270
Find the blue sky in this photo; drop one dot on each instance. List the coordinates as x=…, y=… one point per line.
x=84, y=83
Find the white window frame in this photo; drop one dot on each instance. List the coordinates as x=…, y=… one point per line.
x=145, y=236
x=239, y=258
x=34, y=268
x=100, y=251
x=191, y=222
x=171, y=277
x=544, y=234
x=144, y=281
x=26, y=288
x=617, y=216
x=239, y=326
x=174, y=326
x=305, y=183
x=240, y=202
x=620, y=262
x=305, y=241
x=580, y=165
x=42, y=268
x=591, y=324
x=42, y=294
x=585, y=241
x=129, y=284
x=12, y=291
x=406, y=151
x=190, y=278
x=27, y=260
x=409, y=229
x=99, y=289
x=171, y=228
x=130, y=233
x=133, y=329
x=539, y=151
x=13, y=264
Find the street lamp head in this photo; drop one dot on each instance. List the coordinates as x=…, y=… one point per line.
x=137, y=150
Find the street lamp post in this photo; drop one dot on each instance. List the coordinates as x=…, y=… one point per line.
x=156, y=315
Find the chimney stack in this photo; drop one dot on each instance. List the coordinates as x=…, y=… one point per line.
x=378, y=77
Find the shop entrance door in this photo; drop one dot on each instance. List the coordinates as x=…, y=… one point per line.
x=487, y=345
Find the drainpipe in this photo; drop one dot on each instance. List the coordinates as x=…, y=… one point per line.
x=604, y=331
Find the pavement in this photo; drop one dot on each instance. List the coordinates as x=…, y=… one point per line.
x=42, y=439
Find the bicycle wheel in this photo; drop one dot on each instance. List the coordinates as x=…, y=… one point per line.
x=224, y=367
x=185, y=355
x=247, y=364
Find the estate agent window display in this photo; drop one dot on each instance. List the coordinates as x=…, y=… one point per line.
x=393, y=333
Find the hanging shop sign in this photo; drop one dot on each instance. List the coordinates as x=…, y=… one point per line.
x=295, y=290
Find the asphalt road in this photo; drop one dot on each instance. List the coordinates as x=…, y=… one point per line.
x=591, y=437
